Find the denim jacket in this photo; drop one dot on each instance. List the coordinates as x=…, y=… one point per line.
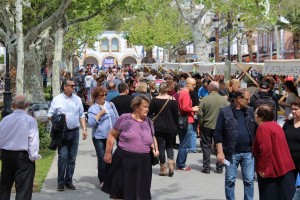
x=226, y=130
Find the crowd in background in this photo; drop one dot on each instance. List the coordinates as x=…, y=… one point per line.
x=252, y=123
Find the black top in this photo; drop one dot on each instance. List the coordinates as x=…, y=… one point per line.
x=167, y=120
x=195, y=98
x=122, y=103
x=292, y=135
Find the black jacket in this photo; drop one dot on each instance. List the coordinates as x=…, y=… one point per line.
x=226, y=130
x=59, y=131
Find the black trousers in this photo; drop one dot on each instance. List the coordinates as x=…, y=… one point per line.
x=280, y=188
x=206, y=143
x=18, y=168
x=165, y=143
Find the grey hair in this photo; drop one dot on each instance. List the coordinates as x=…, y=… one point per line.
x=119, y=74
x=214, y=86
x=20, y=102
x=137, y=101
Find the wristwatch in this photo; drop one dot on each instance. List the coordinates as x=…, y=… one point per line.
x=84, y=129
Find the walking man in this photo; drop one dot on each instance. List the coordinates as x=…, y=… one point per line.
x=123, y=101
x=71, y=105
x=19, y=144
x=208, y=113
x=185, y=106
x=234, y=136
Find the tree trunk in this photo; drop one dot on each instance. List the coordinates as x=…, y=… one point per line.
x=149, y=57
x=33, y=86
x=278, y=46
x=201, y=47
x=296, y=38
x=59, y=36
x=250, y=43
x=20, y=48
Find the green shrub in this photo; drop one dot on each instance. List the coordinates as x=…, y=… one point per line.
x=1, y=59
x=44, y=135
x=48, y=97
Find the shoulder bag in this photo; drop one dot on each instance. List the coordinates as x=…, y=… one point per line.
x=154, y=160
x=154, y=118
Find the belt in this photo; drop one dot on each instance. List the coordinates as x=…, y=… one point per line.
x=74, y=129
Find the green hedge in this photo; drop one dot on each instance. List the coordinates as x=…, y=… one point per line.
x=44, y=135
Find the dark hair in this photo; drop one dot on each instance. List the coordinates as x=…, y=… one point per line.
x=137, y=101
x=122, y=87
x=184, y=75
x=65, y=82
x=296, y=102
x=290, y=85
x=265, y=112
x=239, y=93
x=97, y=91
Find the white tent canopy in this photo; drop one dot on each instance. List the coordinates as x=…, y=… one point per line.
x=282, y=67
x=222, y=68
x=204, y=68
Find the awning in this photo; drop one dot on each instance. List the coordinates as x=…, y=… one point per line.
x=221, y=68
x=282, y=67
x=204, y=68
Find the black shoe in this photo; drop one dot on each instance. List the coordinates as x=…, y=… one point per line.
x=206, y=171
x=219, y=171
x=70, y=186
x=60, y=188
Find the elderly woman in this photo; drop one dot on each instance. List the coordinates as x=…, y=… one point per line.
x=292, y=129
x=131, y=170
x=101, y=117
x=274, y=164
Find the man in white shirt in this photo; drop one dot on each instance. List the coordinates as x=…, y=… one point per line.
x=71, y=105
x=19, y=144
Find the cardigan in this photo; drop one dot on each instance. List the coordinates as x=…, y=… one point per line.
x=271, y=151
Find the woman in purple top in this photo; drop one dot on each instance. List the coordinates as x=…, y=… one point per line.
x=131, y=170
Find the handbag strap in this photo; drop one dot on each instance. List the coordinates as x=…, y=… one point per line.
x=154, y=118
x=151, y=133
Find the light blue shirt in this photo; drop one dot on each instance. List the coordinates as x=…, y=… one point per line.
x=70, y=106
x=19, y=132
x=101, y=128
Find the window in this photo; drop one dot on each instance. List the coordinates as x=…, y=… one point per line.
x=104, y=45
x=115, y=45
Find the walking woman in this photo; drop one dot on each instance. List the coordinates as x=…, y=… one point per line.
x=131, y=171
x=165, y=111
x=101, y=117
x=274, y=164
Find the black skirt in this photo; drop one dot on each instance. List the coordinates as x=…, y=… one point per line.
x=129, y=177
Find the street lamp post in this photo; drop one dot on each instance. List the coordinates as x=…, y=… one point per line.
x=7, y=94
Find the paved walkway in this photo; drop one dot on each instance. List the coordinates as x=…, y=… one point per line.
x=183, y=185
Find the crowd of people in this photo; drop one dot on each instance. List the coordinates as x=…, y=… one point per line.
x=139, y=110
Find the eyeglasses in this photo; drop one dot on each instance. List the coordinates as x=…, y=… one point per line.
x=102, y=95
x=71, y=85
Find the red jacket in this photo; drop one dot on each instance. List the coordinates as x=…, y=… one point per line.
x=185, y=105
x=271, y=151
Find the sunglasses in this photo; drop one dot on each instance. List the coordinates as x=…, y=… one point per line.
x=71, y=85
x=102, y=95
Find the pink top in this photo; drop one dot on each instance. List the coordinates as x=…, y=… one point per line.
x=134, y=136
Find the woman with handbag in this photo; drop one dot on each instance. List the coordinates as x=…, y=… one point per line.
x=131, y=171
x=164, y=108
x=101, y=117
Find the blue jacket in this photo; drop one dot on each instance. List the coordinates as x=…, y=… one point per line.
x=226, y=130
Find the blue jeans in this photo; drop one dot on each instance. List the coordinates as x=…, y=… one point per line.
x=66, y=158
x=100, y=145
x=246, y=161
x=184, y=145
x=193, y=142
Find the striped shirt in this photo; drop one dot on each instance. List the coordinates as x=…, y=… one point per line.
x=134, y=136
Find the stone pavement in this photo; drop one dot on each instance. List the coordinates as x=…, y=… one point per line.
x=183, y=185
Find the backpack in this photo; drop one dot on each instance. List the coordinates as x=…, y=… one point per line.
x=260, y=100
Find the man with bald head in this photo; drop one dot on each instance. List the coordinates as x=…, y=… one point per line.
x=185, y=107
x=112, y=92
x=19, y=144
x=208, y=114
